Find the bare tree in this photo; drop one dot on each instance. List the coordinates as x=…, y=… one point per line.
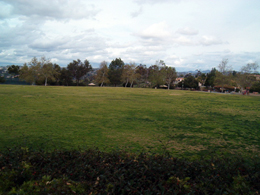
x=223, y=75
x=133, y=74
x=157, y=73
x=102, y=74
x=142, y=74
x=128, y=73
x=47, y=69
x=31, y=71
x=245, y=78
x=170, y=75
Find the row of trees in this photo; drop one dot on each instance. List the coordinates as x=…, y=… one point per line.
x=160, y=74
x=42, y=71
x=39, y=71
x=118, y=72
x=225, y=77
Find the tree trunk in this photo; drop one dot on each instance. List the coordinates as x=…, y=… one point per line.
x=102, y=79
x=132, y=84
x=45, y=81
x=126, y=82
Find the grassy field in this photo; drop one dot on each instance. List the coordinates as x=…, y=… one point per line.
x=183, y=123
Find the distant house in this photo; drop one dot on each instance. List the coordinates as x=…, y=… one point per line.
x=257, y=76
x=225, y=88
x=179, y=79
x=163, y=86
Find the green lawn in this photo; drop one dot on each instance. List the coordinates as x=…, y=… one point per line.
x=184, y=123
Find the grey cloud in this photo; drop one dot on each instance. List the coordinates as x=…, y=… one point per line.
x=45, y=44
x=5, y=10
x=137, y=13
x=211, y=40
x=155, y=1
x=48, y=9
x=28, y=40
x=73, y=46
x=18, y=35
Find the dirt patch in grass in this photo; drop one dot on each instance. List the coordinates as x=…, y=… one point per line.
x=235, y=112
x=253, y=148
x=185, y=146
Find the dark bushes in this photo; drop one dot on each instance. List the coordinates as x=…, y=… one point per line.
x=23, y=171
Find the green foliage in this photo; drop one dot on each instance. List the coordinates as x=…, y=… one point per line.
x=2, y=79
x=39, y=71
x=170, y=75
x=78, y=69
x=201, y=77
x=224, y=75
x=255, y=87
x=156, y=76
x=245, y=78
x=115, y=71
x=128, y=75
x=190, y=82
x=211, y=78
x=66, y=77
x=143, y=73
x=119, y=172
x=30, y=72
x=13, y=69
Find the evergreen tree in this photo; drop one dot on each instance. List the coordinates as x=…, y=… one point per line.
x=115, y=71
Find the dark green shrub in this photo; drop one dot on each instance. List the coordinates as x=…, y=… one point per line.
x=93, y=172
x=2, y=79
x=255, y=87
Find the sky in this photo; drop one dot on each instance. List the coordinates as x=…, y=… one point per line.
x=185, y=34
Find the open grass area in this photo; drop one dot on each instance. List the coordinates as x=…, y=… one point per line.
x=184, y=123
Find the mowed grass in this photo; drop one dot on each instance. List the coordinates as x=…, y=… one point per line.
x=183, y=123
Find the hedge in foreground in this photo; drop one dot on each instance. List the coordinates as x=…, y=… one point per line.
x=23, y=171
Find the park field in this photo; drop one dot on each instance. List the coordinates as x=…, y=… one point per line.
x=181, y=123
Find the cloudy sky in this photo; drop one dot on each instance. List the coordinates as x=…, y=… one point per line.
x=186, y=34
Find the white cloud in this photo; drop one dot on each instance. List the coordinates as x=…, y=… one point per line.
x=183, y=40
x=187, y=31
x=211, y=40
x=200, y=61
x=157, y=30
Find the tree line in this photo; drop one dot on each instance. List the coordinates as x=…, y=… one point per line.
x=43, y=71
x=117, y=73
